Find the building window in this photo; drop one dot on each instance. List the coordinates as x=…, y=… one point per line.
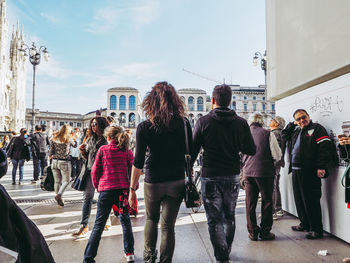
x=263, y=107
x=234, y=105
x=113, y=102
x=53, y=123
x=78, y=124
x=61, y=123
x=245, y=97
x=183, y=99
x=191, y=104
x=71, y=124
x=254, y=107
x=122, y=102
x=234, y=97
x=132, y=102
x=122, y=119
x=42, y=122
x=245, y=107
x=132, y=120
x=113, y=114
x=263, y=98
x=273, y=107
x=200, y=104
x=254, y=97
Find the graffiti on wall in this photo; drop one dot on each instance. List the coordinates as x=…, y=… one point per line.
x=326, y=106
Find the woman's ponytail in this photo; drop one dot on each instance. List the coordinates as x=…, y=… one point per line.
x=123, y=141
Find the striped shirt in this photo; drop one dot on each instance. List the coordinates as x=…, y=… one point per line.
x=112, y=168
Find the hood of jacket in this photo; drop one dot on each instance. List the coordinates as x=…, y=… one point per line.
x=223, y=114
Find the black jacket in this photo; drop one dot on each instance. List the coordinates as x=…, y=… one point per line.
x=20, y=234
x=39, y=144
x=315, y=145
x=223, y=135
x=18, y=148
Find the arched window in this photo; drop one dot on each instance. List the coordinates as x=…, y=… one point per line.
x=190, y=103
x=254, y=97
x=113, y=114
x=132, y=120
x=234, y=105
x=254, y=107
x=200, y=104
x=122, y=119
x=245, y=98
x=245, y=107
x=263, y=107
x=263, y=98
x=122, y=102
x=132, y=102
x=113, y=102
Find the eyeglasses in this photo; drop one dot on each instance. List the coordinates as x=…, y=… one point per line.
x=93, y=124
x=304, y=117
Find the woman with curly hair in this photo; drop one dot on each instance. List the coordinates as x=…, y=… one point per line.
x=163, y=133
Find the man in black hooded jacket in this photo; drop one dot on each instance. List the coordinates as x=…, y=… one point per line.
x=223, y=135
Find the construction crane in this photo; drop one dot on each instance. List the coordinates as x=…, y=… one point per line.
x=203, y=77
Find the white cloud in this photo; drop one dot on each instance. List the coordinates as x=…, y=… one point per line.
x=105, y=20
x=51, y=18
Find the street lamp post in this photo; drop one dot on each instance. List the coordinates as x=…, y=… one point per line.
x=262, y=58
x=34, y=57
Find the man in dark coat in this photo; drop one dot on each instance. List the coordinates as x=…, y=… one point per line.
x=309, y=148
x=258, y=172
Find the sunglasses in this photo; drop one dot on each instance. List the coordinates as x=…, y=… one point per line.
x=93, y=124
x=304, y=117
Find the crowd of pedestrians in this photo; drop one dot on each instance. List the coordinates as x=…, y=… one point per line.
x=231, y=148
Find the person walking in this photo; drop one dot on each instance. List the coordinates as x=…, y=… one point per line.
x=75, y=154
x=92, y=142
x=59, y=155
x=276, y=126
x=258, y=173
x=223, y=135
x=18, y=152
x=39, y=146
x=163, y=133
x=111, y=177
x=308, y=148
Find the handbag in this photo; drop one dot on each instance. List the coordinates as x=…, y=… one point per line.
x=47, y=181
x=79, y=182
x=192, y=197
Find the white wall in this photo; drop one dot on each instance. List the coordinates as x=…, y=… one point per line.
x=329, y=105
x=307, y=43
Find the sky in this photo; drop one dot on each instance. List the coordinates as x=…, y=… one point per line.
x=97, y=45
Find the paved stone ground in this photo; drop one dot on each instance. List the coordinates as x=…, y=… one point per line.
x=192, y=239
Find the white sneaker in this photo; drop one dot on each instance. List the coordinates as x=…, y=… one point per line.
x=274, y=216
x=280, y=213
x=129, y=257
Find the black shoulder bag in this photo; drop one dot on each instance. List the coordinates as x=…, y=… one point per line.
x=192, y=198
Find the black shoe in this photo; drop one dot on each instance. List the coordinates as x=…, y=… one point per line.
x=13, y=183
x=150, y=257
x=314, y=235
x=299, y=228
x=268, y=236
x=253, y=237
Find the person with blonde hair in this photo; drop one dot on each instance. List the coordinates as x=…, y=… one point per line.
x=61, y=165
x=111, y=177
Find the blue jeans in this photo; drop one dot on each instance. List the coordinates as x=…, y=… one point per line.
x=106, y=200
x=88, y=197
x=17, y=163
x=39, y=163
x=219, y=196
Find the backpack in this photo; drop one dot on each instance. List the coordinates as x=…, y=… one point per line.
x=47, y=181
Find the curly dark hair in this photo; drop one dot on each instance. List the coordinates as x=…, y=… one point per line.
x=163, y=104
x=102, y=123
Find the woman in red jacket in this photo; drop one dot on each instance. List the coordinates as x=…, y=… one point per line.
x=111, y=177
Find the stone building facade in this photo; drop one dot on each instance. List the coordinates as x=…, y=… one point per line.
x=123, y=104
x=246, y=100
x=12, y=76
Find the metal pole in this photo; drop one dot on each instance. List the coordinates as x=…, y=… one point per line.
x=33, y=101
